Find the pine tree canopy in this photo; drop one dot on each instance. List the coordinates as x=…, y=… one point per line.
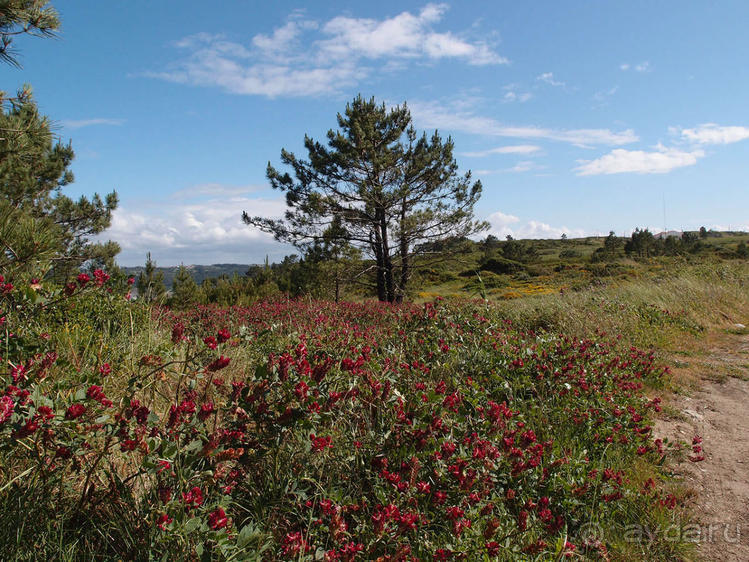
x=41, y=229
x=18, y=17
x=379, y=187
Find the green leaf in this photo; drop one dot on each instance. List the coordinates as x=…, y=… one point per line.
x=192, y=524
x=170, y=450
x=194, y=445
x=247, y=533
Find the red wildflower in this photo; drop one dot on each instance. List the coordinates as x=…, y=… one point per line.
x=218, y=364
x=178, y=333
x=18, y=373
x=492, y=548
x=6, y=408
x=101, y=277
x=83, y=279
x=163, y=520
x=293, y=543
x=205, y=411
x=193, y=498
x=44, y=411
x=75, y=411
x=217, y=519
x=454, y=512
x=95, y=392
x=321, y=443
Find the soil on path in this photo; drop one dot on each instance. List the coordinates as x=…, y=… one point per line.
x=718, y=411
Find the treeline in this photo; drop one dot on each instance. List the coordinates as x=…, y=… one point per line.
x=293, y=277
x=644, y=244
x=320, y=274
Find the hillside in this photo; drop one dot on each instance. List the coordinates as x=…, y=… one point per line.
x=199, y=272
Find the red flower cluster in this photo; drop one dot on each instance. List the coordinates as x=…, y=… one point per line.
x=75, y=411
x=193, y=498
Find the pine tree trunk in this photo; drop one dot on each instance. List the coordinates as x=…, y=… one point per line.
x=380, y=276
x=405, y=269
x=387, y=260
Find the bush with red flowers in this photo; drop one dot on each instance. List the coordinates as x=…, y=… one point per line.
x=298, y=430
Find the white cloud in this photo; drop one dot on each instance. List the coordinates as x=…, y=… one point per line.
x=284, y=40
x=305, y=58
x=502, y=225
x=521, y=97
x=510, y=149
x=205, y=231
x=730, y=227
x=643, y=66
x=710, y=133
x=406, y=35
x=498, y=218
x=80, y=123
x=548, y=77
x=523, y=166
x=620, y=161
x=432, y=115
x=520, y=167
x=602, y=96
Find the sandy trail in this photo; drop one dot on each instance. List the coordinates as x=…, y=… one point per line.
x=718, y=411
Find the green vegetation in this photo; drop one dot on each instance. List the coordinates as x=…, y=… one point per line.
x=498, y=406
x=303, y=430
x=377, y=188
x=468, y=269
x=41, y=229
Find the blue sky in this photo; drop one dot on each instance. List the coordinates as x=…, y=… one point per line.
x=579, y=117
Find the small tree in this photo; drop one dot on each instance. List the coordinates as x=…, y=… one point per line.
x=389, y=190
x=641, y=243
x=612, y=243
x=185, y=291
x=150, y=283
x=512, y=249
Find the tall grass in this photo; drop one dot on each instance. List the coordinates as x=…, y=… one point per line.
x=660, y=311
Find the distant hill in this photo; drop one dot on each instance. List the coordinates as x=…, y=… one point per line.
x=198, y=272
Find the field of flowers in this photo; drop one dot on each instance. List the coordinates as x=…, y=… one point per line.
x=303, y=430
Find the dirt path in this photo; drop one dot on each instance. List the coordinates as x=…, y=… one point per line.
x=718, y=411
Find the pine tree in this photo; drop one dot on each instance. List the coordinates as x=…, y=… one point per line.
x=185, y=291
x=19, y=17
x=391, y=191
x=41, y=228
x=150, y=283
